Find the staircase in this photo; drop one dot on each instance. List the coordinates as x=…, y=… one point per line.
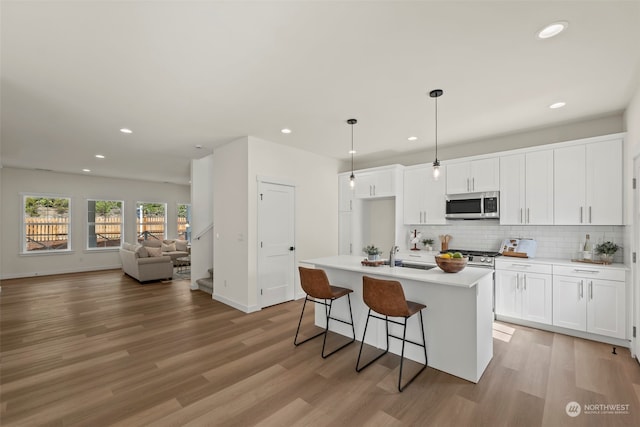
x=206, y=284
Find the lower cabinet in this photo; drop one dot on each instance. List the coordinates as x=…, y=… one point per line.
x=524, y=294
x=589, y=304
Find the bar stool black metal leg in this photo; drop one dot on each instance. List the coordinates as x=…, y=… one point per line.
x=424, y=346
x=358, y=367
x=295, y=339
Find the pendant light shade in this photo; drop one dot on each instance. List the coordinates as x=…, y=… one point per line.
x=436, y=93
x=352, y=178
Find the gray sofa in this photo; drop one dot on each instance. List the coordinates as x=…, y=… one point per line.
x=137, y=264
x=173, y=248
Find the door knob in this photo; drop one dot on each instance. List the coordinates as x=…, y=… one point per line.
x=292, y=248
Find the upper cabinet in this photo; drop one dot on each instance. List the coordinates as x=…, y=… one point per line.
x=379, y=182
x=424, y=197
x=473, y=176
x=345, y=193
x=588, y=183
x=526, y=188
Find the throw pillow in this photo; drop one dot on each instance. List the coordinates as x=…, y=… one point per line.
x=142, y=252
x=181, y=245
x=169, y=248
x=154, y=251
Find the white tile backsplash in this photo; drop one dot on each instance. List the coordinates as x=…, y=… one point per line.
x=553, y=241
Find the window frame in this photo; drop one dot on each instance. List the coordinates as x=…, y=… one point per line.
x=88, y=224
x=23, y=224
x=138, y=233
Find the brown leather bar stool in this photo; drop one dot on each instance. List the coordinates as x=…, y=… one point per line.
x=317, y=287
x=386, y=297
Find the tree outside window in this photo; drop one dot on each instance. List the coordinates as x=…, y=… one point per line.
x=151, y=220
x=184, y=221
x=46, y=223
x=104, y=222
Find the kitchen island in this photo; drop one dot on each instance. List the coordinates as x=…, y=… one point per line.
x=458, y=320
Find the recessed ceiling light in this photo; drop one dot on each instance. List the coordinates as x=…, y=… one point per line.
x=285, y=130
x=413, y=138
x=552, y=30
x=352, y=151
x=198, y=146
x=125, y=130
x=99, y=156
x=557, y=105
x=86, y=170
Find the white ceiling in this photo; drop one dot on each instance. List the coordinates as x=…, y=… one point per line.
x=186, y=73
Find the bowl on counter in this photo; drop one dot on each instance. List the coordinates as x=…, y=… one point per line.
x=451, y=265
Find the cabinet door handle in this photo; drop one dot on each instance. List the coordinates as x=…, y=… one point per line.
x=425, y=216
x=591, y=290
x=350, y=248
x=520, y=265
x=528, y=216
x=580, y=214
x=374, y=189
x=589, y=214
x=581, y=294
x=350, y=205
x=473, y=184
x=524, y=281
x=468, y=188
x=521, y=218
x=580, y=270
x=517, y=281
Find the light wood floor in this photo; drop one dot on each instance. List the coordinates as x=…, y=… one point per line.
x=98, y=349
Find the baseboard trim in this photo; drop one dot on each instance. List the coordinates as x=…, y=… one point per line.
x=234, y=304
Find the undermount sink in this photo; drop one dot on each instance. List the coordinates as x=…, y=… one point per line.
x=418, y=266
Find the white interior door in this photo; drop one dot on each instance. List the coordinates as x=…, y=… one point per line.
x=276, y=243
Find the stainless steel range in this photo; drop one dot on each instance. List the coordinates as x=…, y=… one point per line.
x=484, y=259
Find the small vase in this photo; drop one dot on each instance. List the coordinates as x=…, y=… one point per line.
x=375, y=257
x=606, y=258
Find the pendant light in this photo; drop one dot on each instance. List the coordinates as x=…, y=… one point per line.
x=352, y=178
x=436, y=93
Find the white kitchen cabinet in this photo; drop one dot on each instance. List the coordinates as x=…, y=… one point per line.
x=524, y=291
x=588, y=184
x=473, y=176
x=526, y=188
x=585, y=300
x=424, y=197
x=379, y=183
x=345, y=193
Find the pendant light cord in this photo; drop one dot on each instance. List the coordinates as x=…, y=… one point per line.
x=351, y=148
x=436, y=128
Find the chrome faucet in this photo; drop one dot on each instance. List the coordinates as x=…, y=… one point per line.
x=392, y=256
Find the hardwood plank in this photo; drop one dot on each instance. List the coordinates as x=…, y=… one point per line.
x=100, y=349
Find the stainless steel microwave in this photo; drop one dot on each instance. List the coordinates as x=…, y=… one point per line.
x=473, y=205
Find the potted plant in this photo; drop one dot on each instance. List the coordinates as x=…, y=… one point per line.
x=428, y=244
x=373, y=253
x=606, y=251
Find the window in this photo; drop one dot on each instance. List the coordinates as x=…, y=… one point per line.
x=46, y=221
x=151, y=220
x=104, y=224
x=184, y=221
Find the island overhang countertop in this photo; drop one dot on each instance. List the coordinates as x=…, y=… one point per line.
x=466, y=278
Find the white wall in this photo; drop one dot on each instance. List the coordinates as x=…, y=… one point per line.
x=230, y=219
x=79, y=188
x=237, y=167
x=316, y=181
x=201, y=218
x=424, y=153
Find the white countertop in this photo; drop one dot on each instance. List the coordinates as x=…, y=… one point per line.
x=466, y=278
x=556, y=261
